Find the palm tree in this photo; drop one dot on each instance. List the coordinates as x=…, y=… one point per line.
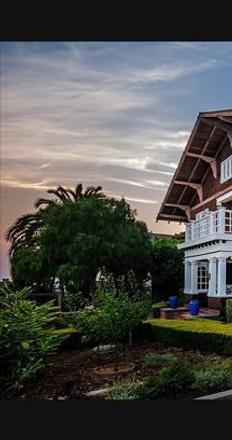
x=24, y=232
x=66, y=195
x=26, y=229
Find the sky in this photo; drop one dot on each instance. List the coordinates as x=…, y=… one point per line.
x=115, y=114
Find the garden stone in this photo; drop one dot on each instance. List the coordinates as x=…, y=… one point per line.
x=104, y=348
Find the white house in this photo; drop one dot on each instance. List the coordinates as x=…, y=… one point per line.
x=200, y=195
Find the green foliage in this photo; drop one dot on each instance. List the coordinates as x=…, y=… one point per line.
x=124, y=284
x=27, y=267
x=206, y=335
x=179, y=379
x=25, y=339
x=229, y=310
x=76, y=236
x=71, y=302
x=126, y=391
x=154, y=359
x=166, y=268
x=112, y=319
x=172, y=381
x=209, y=380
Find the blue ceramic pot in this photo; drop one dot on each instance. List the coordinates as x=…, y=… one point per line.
x=173, y=302
x=194, y=307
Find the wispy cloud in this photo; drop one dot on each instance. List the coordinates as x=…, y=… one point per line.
x=44, y=165
x=116, y=114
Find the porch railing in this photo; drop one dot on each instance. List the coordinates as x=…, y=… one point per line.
x=219, y=221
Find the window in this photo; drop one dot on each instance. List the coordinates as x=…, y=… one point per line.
x=226, y=169
x=203, y=276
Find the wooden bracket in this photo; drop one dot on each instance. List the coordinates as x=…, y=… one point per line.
x=184, y=208
x=196, y=186
x=210, y=160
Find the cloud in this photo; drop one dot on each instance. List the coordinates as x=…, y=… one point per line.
x=44, y=165
x=117, y=114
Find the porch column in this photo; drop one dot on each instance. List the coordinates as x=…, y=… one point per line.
x=212, y=276
x=187, y=276
x=194, y=267
x=221, y=276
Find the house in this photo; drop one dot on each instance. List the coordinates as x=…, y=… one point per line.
x=200, y=195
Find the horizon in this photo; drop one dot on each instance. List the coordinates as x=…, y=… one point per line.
x=104, y=113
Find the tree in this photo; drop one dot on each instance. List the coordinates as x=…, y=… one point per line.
x=166, y=268
x=27, y=267
x=75, y=236
x=25, y=231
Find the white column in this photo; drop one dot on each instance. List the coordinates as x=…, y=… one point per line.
x=194, y=267
x=212, y=277
x=221, y=276
x=187, y=276
x=221, y=219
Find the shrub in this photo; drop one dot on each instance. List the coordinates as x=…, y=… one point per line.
x=229, y=310
x=71, y=302
x=112, y=319
x=153, y=359
x=127, y=391
x=203, y=334
x=25, y=339
x=212, y=380
x=171, y=382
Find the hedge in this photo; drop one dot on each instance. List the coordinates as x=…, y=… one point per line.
x=229, y=310
x=202, y=334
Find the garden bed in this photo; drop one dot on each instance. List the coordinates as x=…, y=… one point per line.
x=70, y=375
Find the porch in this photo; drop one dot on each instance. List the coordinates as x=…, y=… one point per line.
x=209, y=276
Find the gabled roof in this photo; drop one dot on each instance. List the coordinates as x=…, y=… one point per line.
x=206, y=140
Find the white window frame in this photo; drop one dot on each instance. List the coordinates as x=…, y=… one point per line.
x=226, y=169
x=203, y=276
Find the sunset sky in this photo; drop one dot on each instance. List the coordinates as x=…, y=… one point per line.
x=111, y=114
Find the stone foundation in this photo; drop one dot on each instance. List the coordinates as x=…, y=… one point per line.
x=168, y=313
x=218, y=303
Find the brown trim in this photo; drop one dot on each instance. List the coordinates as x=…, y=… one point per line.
x=180, y=163
x=212, y=113
x=208, y=170
x=198, y=161
x=217, y=124
x=211, y=160
x=172, y=216
x=215, y=196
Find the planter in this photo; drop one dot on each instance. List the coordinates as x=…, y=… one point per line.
x=194, y=307
x=173, y=302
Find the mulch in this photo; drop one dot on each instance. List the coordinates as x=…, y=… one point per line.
x=71, y=374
